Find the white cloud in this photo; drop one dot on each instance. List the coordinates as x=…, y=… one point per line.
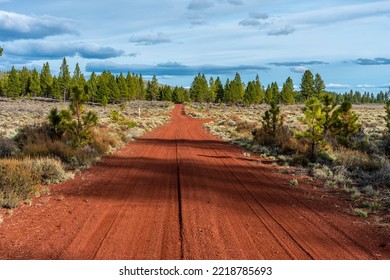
x=31, y=50
x=15, y=26
x=153, y=39
x=299, y=69
x=337, y=86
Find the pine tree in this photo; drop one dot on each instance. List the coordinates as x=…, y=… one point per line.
x=259, y=91
x=307, y=85
x=78, y=78
x=46, y=80
x=141, y=88
x=64, y=79
x=345, y=124
x=102, y=89
x=210, y=94
x=179, y=95
x=113, y=89
x=1, y=51
x=272, y=121
x=328, y=105
x=166, y=93
x=199, y=88
x=76, y=122
x=287, y=94
x=250, y=93
x=34, y=84
x=319, y=85
x=56, y=88
x=314, y=118
x=92, y=87
x=237, y=89
x=122, y=87
x=24, y=77
x=132, y=86
x=219, y=92
x=13, y=85
x=152, y=89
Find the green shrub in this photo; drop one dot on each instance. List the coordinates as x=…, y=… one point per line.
x=294, y=182
x=361, y=212
x=49, y=170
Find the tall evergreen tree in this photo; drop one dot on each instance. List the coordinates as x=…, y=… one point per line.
x=132, y=85
x=237, y=89
x=259, y=91
x=219, y=91
x=102, y=89
x=141, y=88
x=56, y=88
x=92, y=86
x=307, y=85
x=24, y=77
x=250, y=91
x=210, y=95
x=319, y=85
x=13, y=85
x=34, y=84
x=288, y=94
x=166, y=93
x=152, y=89
x=46, y=80
x=199, y=88
x=64, y=79
x=122, y=87
x=113, y=92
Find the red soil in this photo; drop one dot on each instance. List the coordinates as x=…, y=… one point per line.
x=180, y=193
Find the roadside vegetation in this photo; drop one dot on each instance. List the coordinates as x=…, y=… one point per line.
x=46, y=142
x=71, y=121
x=343, y=144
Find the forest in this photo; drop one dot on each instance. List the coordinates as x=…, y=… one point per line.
x=107, y=88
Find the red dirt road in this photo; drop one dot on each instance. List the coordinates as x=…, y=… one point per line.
x=180, y=193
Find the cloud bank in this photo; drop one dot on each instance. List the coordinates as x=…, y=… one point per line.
x=15, y=26
x=32, y=50
x=171, y=68
x=148, y=40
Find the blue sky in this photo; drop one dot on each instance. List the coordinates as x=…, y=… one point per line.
x=346, y=41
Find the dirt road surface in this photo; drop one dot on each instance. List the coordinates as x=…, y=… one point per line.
x=180, y=193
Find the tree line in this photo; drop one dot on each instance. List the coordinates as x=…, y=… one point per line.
x=109, y=88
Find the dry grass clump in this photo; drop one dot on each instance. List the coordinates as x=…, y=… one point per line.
x=18, y=181
x=7, y=147
x=49, y=170
x=353, y=159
